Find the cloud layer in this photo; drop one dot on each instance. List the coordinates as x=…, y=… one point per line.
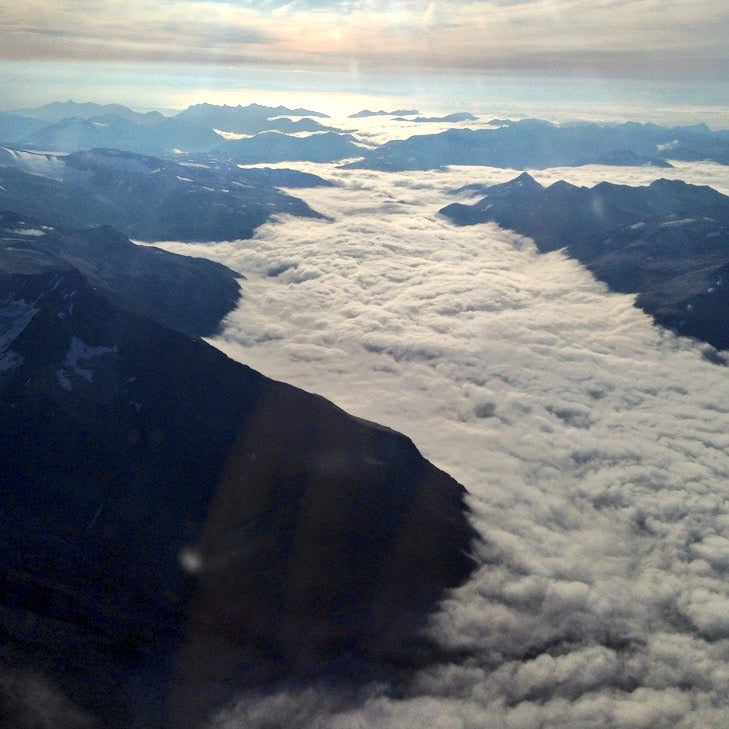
x=646, y=38
x=595, y=446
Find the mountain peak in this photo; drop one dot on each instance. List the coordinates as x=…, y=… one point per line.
x=524, y=183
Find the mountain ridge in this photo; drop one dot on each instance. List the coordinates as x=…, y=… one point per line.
x=665, y=242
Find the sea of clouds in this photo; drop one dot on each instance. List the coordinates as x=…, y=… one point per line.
x=595, y=447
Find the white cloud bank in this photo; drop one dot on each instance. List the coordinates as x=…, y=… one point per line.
x=595, y=445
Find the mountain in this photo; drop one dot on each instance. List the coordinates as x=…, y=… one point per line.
x=177, y=527
x=536, y=144
x=143, y=197
x=14, y=127
x=73, y=127
x=59, y=110
x=162, y=136
x=252, y=119
x=280, y=177
x=397, y=112
x=276, y=147
x=457, y=117
x=667, y=242
x=189, y=294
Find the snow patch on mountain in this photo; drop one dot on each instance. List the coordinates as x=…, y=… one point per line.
x=80, y=356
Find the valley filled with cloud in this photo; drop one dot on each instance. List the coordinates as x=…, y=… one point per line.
x=594, y=444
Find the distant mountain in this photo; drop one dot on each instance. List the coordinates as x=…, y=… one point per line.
x=535, y=144
x=143, y=197
x=667, y=242
x=189, y=294
x=281, y=177
x=59, y=110
x=14, y=127
x=161, y=137
x=177, y=527
x=276, y=147
x=252, y=119
x=396, y=112
x=457, y=117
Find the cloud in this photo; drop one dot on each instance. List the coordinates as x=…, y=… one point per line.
x=203, y=32
x=637, y=38
x=594, y=445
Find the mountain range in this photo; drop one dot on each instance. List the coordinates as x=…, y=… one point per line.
x=276, y=147
x=71, y=127
x=522, y=144
x=364, y=113
x=668, y=242
x=147, y=197
x=537, y=144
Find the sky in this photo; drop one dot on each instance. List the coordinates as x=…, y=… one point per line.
x=170, y=53
x=593, y=443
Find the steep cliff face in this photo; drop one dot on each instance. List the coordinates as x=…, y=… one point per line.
x=177, y=524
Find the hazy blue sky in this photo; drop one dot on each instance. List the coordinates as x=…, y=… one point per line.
x=167, y=49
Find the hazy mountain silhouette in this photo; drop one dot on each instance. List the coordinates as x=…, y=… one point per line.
x=396, y=112
x=57, y=111
x=14, y=127
x=456, y=117
x=535, y=144
x=163, y=136
x=276, y=147
x=253, y=118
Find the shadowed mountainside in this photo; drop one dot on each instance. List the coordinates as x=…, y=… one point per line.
x=177, y=526
x=146, y=197
x=189, y=294
x=277, y=147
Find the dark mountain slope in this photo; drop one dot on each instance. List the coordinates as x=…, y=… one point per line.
x=147, y=197
x=177, y=526
x=189, y=294
x=667, y=242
